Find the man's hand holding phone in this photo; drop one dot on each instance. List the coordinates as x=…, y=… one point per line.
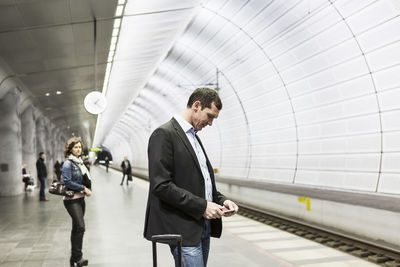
x=215, y=211
x=229, y=208
x=227, y=212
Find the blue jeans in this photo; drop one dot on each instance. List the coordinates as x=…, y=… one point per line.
x=196, y=256
x=42, y=195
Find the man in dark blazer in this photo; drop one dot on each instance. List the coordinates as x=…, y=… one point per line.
x=42, y=176
x=182, y=197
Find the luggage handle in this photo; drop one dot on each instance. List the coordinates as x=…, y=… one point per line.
x=170, y=240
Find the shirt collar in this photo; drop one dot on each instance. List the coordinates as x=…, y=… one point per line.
x=186, y=126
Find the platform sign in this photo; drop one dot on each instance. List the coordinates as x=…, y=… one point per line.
x=95, y=149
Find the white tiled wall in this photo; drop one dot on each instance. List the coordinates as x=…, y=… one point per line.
x=310, y=91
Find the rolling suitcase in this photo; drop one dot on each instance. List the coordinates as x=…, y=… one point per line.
x=170, y=240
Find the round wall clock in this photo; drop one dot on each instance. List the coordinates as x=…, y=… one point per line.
x=95, y=102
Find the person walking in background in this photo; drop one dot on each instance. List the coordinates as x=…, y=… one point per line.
x=57, y=170
x=42, y=176
x=183, y=198
x=126, y=170
x=73, y=172
x=107, y=163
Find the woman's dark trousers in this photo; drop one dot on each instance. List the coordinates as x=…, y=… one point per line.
x=76, y=209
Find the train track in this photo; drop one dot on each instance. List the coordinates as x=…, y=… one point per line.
x=367, y=250
x=384, y=256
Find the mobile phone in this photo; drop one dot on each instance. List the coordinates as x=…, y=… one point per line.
x=228, y=211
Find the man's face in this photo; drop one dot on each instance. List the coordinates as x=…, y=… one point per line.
x=42, y=156
x=203, y=117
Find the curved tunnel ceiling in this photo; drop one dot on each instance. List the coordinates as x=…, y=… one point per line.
x=310, y=91
x=55, y=52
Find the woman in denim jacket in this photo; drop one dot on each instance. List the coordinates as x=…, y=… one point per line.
x=72, y=172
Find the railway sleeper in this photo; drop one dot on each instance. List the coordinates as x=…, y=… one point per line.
x=379, y=258
x=335, y=244
x=347, y=248
x=322, y=240
x=395, y=263
x=362, y=253
x=310, y=236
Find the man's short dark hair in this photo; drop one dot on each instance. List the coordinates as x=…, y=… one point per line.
x=206, y=96
x=41, y=153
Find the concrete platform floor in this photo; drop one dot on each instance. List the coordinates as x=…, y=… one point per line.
x=34, y=233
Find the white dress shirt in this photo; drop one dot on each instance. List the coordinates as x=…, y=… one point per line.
x=190, y=134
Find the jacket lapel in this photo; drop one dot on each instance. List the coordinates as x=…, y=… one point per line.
x=185, y=141
x=210, y=169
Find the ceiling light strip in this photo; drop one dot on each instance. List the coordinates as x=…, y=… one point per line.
x=119, y=13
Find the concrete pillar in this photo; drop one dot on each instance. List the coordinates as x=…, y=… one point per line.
x=49, y=151
x=63, y=142
x=28, y=134
x=10, y=144
x=40, y=135
x=56, y=134
x=60, y=156
x=60, y=147
x=53, y=142
x=40, y=140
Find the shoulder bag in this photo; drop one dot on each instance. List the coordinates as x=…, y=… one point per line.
x=58, y=188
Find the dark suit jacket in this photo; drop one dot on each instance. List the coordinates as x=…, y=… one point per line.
x=41, y=168
x=176, y=200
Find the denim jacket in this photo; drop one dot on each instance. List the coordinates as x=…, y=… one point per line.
x=72, y=176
